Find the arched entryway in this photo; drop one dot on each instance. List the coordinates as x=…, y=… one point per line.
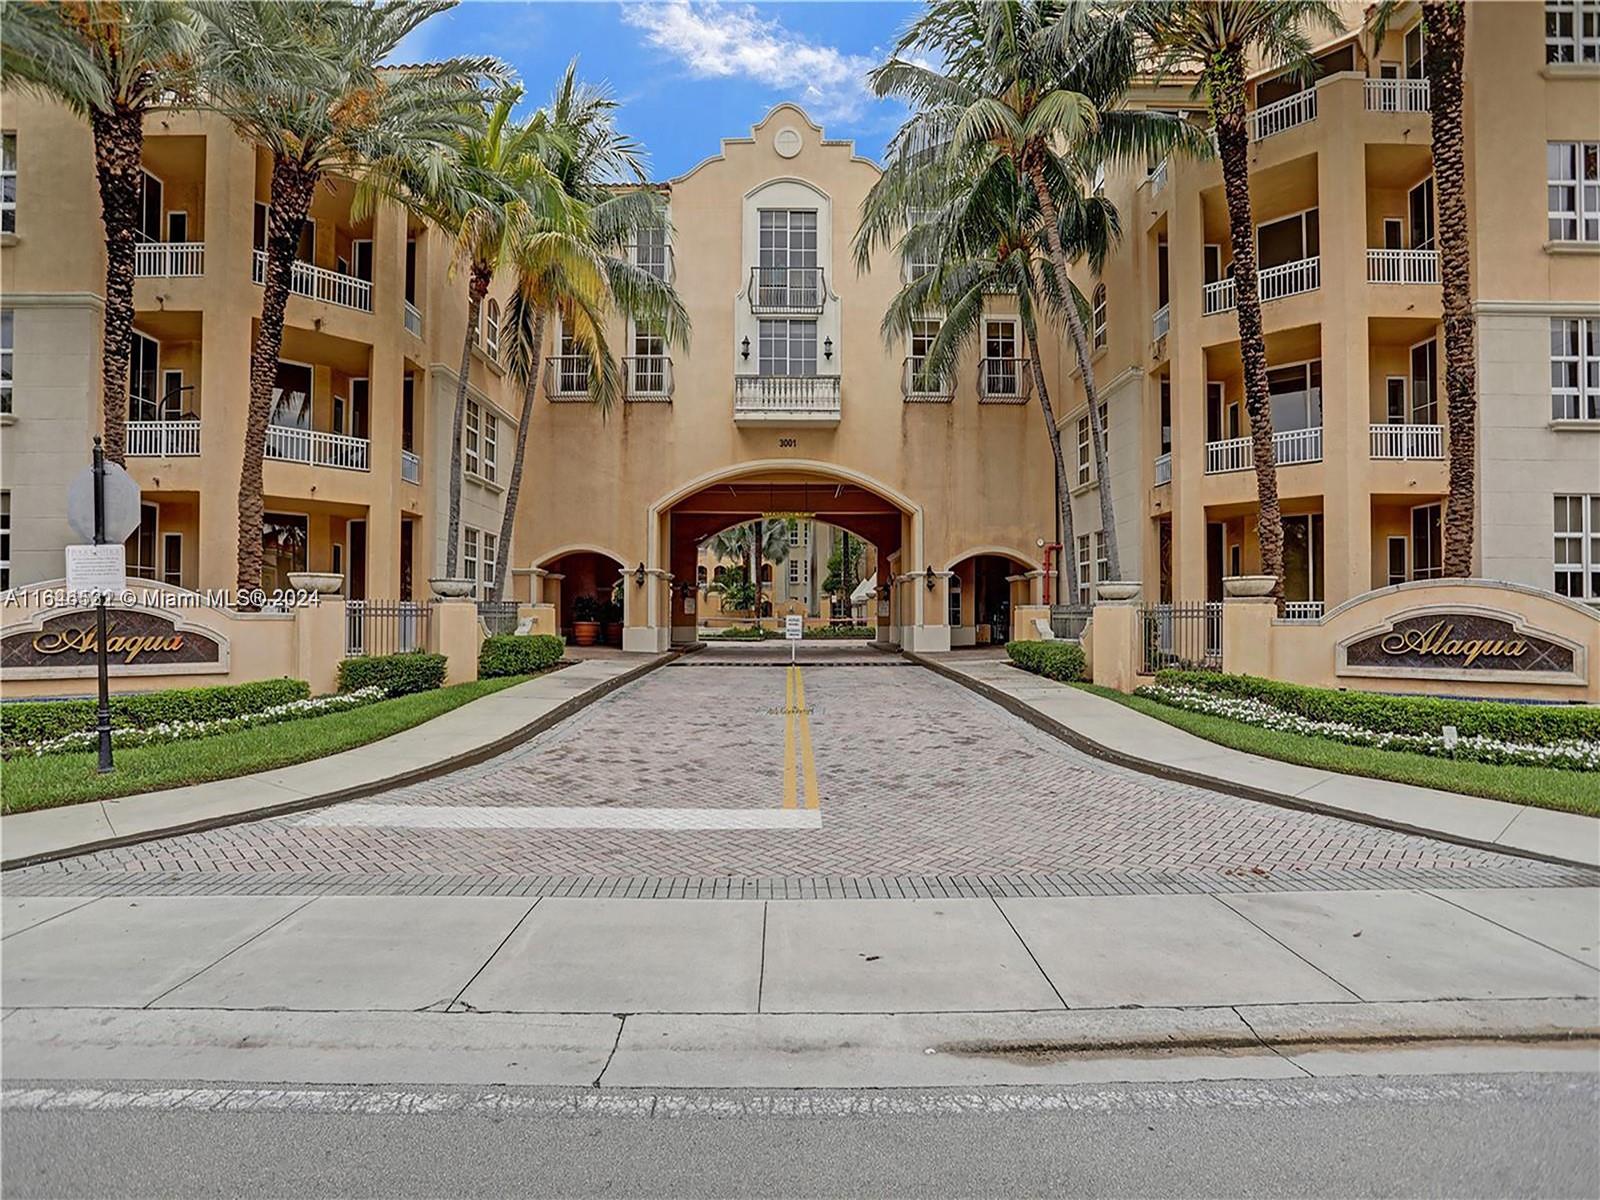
x=582, y=585
x=984, y=588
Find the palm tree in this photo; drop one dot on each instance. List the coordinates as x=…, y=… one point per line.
x=1444, y=39
x=1224, y=38
x=1028, y=89
x=584, y=275
x=753, y=543
x=111, y=62
x=307, y=82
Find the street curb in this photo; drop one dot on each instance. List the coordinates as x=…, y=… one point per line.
x=444, y=766
x=1243, y=791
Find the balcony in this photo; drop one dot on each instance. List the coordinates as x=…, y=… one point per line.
x=319, y=283
x=1161, y=323
x=163, y=439
x=1408, y=441
x=1164, y=469
x=916, y=390
x=1290, y=448
x=567, y=379
x=1158, y=179
x=787, y=291
x=169, y=260
x=1283, y=115
x=1403, y=266
x=803, y=399
x=1302, y=610
x=413, y=320
x=1274, y=283
x=288, y=444
x=1005, y=380
x=654, y=258
x=648, y=378
x=410, y=467
x=1397, y=95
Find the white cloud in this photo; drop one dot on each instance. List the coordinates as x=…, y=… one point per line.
x=724, y=41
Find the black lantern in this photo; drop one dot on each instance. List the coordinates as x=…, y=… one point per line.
x=638, y=574
x=827, y=348
x=744, y=349
x=931, y=577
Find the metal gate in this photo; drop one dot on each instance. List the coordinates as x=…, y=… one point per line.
x=1185, y=636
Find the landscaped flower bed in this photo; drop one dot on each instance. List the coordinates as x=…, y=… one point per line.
x=1535, y=749
x=177, y=731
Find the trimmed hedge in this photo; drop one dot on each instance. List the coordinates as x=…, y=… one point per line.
x=38, y=721
x=397, y=674
x=842, y=632
x=1054, y=660
x=511, y=654
x=1530, y=724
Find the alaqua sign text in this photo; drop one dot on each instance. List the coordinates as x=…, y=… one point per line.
x=137, y=642
x=1458, y=645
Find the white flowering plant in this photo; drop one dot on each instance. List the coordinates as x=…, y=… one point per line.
x=1573, y=754
x=178, y=731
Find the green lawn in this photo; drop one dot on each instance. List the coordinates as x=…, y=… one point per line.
x=55, y=779
x=1542, y=787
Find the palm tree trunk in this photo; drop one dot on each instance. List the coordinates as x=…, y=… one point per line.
x=1224, y=78
x=514, y=485
x=292, y=189
x=1444, y=29
x=118, y=161
x=1066, y=565
x=477, y=288
x=1080, y=346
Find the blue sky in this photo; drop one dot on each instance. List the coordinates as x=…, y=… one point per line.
x=689, y=72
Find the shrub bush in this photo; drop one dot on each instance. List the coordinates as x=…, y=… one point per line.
x=742, y=633
x=1530, y=724
x=510, y=654
x=397, y=674
x=1055, y=660
x=824, y=632
x=38, y=721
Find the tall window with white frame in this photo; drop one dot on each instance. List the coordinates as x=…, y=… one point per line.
x=788, y=348
x=1000, y=363
x=1572, y=31
x=469, y=556
x=649, y=374
x=572, y=377
x=1101, y=329
x=491, y=545
x=787, y=275
x=8, y=182
x=924, y=332
x=8, y=332
x=1085, y=580
x=1083, y=450
x=954, y=592
x=1575, y=369
x=650, y=249
x=1577, y=548
x=473, y=439
x=491, y=330
x=491, y=445
x=1574, y=191
x=1102, y=566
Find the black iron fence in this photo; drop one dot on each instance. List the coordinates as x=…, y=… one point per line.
x=385, y=626
x=498, y=616
x=1068, y=620
x=1187, y=636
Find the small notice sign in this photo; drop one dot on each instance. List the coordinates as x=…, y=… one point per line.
x=794, y=627
x=92, y=570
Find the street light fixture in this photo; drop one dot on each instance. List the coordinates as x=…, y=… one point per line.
x=638, y=575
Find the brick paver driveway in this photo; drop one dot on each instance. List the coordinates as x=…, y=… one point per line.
x=677, y=784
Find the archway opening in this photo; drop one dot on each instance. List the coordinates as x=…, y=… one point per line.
x=982, y=592
x=585, y=585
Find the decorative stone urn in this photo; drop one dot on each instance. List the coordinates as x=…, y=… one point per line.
x=451, y=589
x=324, y=583
x=1118, y=589
x=1253, y=586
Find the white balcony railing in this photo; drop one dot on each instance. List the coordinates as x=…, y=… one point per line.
x=916, y=390
x=567, y=381
x=1289, y=447
x=1158, y=179
x=1164, y=469
x=1218, y=297
x=413, y=320
x=1282, y=115
x=781, y=290
x=1161, y=322
x=773, y=397
x=319, y=283
x=1397, y=95
x=1402, y=266
x=288, y=444
x=649, y=378
x=163, y=439
x=1005, y=380
x=1290, y=279
x=1408, y=441
x=1302, y=610
x=169, y=260
x=410, y=467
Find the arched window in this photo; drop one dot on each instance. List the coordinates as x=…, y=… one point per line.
x=955, y=600
x=700, y=575
x=491, y=338
x=1099, y=316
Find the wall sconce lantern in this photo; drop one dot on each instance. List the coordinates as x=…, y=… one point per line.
x=638, y=575
x=931, y=577
x=827, y=348
x=744, y=349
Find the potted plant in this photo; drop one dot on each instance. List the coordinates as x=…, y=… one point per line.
x=585, y=620
x=611, y=617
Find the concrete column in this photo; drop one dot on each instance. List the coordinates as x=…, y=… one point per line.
x=1186, y=276
x=1247, y=631
x=319, y=644
x=456, y=636
x=1115, y=635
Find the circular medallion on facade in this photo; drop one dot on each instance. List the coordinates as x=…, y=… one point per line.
x=787, y=143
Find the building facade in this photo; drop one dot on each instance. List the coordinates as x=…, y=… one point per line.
x=356, y=471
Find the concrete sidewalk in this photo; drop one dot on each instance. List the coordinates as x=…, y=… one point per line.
x=460, y=737
x=1112, y=730
x=683, y=993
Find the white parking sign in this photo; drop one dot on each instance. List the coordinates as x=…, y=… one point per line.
x=794, y=627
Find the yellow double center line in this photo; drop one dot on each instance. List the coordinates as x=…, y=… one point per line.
x=796, y=717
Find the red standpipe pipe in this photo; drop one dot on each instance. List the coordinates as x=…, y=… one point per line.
x=1049, y=573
